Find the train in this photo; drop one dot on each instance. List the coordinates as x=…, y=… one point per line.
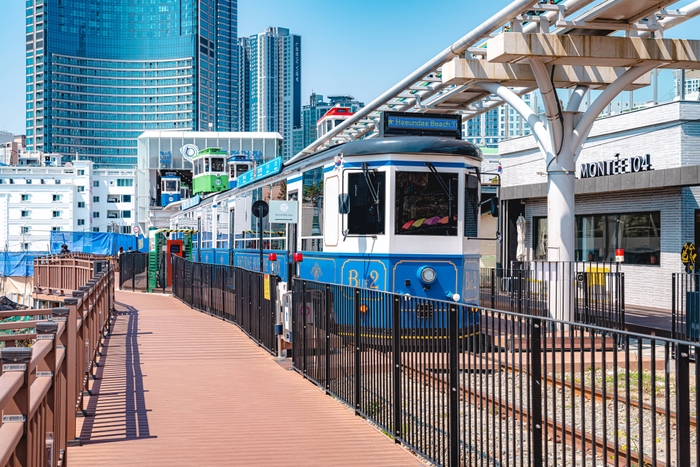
x=399, y=213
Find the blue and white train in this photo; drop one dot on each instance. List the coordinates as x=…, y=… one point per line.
x=397, y=213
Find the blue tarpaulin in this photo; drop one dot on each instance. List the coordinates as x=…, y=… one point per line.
x=96, y=243
x=18, y=263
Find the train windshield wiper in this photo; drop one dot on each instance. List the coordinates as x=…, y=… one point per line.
x=442, y=183
x=372, y=190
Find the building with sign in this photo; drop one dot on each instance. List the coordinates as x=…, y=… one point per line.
x=102, y=73
x=170, y=152
x=637, y=189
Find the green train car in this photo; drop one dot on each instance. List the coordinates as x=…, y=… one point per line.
x=210, y=171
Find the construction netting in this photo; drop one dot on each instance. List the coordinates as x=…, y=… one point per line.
x=18, y=263
x=97, y=243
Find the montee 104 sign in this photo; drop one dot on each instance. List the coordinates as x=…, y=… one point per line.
x=616, y=166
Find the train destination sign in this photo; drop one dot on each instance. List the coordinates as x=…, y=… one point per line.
x=267, y=169
x=617, y=166
x=398, y=123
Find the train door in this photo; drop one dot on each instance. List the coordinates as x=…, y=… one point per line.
x=174, y=247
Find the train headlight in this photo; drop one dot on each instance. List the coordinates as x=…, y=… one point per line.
x=427, y=275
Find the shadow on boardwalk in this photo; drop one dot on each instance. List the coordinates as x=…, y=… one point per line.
x=117, y=407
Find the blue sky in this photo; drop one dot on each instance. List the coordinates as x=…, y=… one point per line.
x=359, y=47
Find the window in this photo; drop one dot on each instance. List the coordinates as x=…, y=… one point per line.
x=95, y=199
x=312, y=208
x=95, y=215
x=126, y=198
x=25, y=213
x=366, y=192
x=25, y=197
x=57, y=182
x=423, y=206
x=598, y=236
x=56, y=197
x=55, y=229
x=56, y=213
x=24, y=230
x=125, y=182
x=81, y=189
x=217, y=164
x=126, y=214
x=472, y=207
x=81, y=221
x=28, y=181
x=81, y=204
x=25, y=246
x=171, y=186
x=95, y=229
x=125, y=229
x=81, y=172
x=95, y=184
x=638, y=234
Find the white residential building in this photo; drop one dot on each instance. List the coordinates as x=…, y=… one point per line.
x=37, y=200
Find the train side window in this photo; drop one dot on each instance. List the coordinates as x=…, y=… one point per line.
x=366, y=190
x=472, y=209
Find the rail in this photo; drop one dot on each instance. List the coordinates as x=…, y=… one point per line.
x=245, y=298
x=42, y=386
x=67, y=272
x=467, y=385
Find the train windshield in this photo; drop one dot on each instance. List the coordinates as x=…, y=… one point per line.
x=170, y=186
x=424, y=206
x=217, y=164
x=366, y=190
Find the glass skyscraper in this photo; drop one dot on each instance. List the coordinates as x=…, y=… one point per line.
x=100, y=72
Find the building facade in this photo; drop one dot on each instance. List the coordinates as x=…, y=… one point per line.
x=315, y=110
x=100, y=73
x=273, y=90
x=34, y=201
x=499, y=124
x=637, y=189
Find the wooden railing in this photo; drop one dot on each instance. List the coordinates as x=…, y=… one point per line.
x=42, y=386
x=66, y=272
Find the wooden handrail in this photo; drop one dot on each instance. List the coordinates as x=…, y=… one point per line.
x=57, y=359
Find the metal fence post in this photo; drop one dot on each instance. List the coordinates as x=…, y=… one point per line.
x=303, y=325
x=358, y=355
x=536, y=390
x=327, y=325
x=683, y=405
x=673, y=306
x=493, y=288
x=396, y=339
x=454, y=388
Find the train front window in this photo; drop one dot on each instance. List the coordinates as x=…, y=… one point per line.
x=217, y=164
x=423, y=204
x=170, y=186
x=366, y=192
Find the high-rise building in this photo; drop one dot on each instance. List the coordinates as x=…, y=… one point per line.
x=273, y=91
x=496, y=125
x=99, y=73
x=316, y=109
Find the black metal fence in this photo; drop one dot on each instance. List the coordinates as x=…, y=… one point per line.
x=474, y=386
x=685, y=306
x=594, y=292
x=133, y=272
x=246, y=298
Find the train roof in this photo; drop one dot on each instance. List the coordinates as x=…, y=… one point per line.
x=400, y=145
x=211, y=152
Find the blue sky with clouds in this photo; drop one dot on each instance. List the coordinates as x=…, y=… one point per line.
x=359, y=47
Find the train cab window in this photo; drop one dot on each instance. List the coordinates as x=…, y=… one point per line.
x=217, y=164
x=170, y=186
x=472, y=209
x=367, y=210
x=426, y=204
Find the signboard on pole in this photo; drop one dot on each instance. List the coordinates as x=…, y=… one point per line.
x=284, y=212
x=135, y=229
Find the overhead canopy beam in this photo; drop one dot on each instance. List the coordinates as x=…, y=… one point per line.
x=593, y=50
x=461, y=71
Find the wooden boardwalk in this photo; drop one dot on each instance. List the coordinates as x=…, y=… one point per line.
x=179, y=388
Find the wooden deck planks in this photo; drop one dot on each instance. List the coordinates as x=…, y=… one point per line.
x=180, y=388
